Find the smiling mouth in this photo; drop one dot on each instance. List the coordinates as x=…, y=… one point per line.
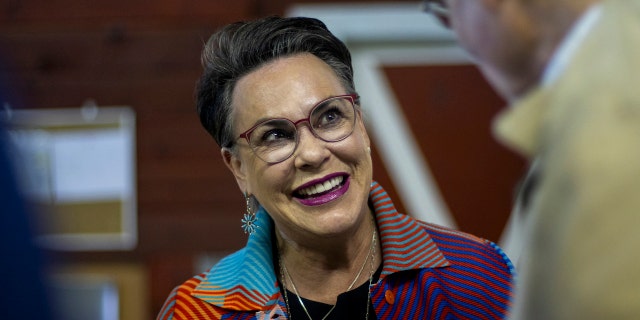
x=321, y=188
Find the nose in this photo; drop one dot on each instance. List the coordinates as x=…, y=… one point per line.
x=311, y=150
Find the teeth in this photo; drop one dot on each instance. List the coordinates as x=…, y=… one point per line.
x=321, y=187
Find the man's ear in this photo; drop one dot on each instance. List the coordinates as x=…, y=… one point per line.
x=236, y=166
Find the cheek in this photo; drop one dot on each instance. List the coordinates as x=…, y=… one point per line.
x=359, y=148
x=258, y=174
x=270, y=181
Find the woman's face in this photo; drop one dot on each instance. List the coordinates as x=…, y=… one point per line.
x=289, y=88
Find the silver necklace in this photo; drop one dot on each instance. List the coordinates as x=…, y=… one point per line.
x=284, y=271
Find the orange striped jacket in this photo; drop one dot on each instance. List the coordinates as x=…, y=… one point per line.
x=428, y=272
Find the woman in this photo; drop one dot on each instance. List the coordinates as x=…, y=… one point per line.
x=325, y=242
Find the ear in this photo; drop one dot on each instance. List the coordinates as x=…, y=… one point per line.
x=236, y=166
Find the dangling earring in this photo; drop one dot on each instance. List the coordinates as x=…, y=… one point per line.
x=249, y=220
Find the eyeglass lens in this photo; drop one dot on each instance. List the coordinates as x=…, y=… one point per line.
x=275, y=140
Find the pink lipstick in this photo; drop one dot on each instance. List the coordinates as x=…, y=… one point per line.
x=319, y=192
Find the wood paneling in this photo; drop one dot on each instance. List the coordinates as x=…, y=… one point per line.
x=450, y=109
x=97, y=11
x=145, y=55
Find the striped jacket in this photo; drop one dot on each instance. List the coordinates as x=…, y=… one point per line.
x=428, y=272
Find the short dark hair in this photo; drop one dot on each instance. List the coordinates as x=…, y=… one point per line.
x=241, y=47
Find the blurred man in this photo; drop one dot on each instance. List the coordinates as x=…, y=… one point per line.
x=571, y=72
x=21, y=270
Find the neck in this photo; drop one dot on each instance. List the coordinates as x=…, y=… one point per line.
x=322, y=273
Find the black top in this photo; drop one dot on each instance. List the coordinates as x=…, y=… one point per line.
x=351, y=305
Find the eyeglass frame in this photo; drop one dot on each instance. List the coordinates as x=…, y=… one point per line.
x=353, y=98
x=438, y=9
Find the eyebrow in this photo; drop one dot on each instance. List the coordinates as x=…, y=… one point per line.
x=263, y=119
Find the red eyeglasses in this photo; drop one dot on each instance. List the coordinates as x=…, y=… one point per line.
x=330, y=120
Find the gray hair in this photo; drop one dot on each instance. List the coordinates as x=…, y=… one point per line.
x=241, y=47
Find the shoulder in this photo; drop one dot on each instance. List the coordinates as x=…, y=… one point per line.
x=475, y=283
x=195, y=298
x=185, y=301
x=181, y=303
x=462, y=248
x=440, y=231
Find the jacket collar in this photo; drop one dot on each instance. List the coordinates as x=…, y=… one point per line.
x=246, y=280
x=522, y=125
x=405, y=243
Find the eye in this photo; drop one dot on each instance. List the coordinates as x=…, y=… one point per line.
x=273, y=133
x=332, y=114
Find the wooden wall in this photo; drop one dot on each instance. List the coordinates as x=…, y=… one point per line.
x=143, y=54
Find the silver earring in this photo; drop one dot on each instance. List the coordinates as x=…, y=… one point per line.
x=249, y=220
